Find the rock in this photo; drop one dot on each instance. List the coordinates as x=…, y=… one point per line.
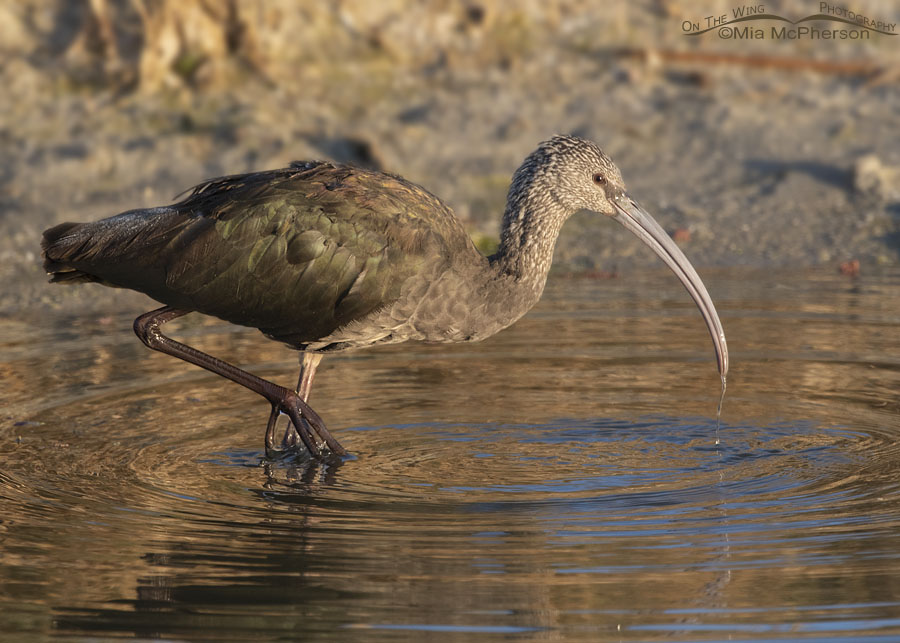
x=873, y=178
x=850, y=268
x=681, y=235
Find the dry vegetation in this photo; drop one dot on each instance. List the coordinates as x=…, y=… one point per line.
x=149, y=45
x=154, y=44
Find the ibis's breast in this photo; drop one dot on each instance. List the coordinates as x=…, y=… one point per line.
x=464, y=303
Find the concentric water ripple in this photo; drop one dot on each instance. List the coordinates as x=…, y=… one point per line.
x=575, y=488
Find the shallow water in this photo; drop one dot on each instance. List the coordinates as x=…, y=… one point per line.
x=561, y=481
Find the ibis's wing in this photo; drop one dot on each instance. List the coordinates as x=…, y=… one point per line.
x=298, y=252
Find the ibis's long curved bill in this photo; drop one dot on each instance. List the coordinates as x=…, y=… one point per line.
x=636, y=219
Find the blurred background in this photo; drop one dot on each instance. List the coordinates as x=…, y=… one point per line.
x=567, y=479
x=752, y=151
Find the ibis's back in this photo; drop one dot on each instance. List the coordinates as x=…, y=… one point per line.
x=298, y=252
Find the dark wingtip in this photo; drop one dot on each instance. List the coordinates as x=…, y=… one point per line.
x=54, y=234
x=55, y=251
x=70, y=276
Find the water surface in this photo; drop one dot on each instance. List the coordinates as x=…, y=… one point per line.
x=560, y=481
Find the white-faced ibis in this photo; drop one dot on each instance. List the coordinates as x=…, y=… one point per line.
x=327, y=257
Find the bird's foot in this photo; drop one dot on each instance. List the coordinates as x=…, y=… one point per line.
x=305, y=428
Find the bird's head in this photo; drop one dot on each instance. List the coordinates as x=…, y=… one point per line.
x=576, y=175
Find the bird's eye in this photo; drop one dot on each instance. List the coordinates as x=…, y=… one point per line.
x=599, y=179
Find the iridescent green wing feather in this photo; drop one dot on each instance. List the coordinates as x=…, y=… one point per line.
x=307, y=250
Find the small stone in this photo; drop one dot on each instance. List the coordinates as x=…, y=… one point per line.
x=873, y=178
x=850, y=268
x=681, y=235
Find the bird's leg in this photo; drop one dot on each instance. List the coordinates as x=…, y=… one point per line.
x=283, y=399
x=307, y=372
x=308, y=364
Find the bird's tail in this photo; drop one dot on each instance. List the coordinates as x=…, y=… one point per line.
x=61, y=246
